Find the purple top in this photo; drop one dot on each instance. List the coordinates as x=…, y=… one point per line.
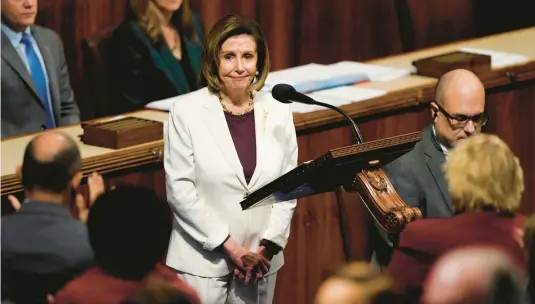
x=242, y=130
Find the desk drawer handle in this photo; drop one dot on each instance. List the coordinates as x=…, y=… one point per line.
x=511, y=76
x=158, y=153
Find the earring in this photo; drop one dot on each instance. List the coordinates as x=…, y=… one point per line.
x=255, y=78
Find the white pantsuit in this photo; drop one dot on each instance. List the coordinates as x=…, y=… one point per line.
x=205, y=184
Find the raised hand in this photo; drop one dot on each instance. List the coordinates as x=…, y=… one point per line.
x=96, y=186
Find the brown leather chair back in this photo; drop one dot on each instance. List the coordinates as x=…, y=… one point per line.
x=97, y=70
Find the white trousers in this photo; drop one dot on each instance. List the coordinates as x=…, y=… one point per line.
x=231, y=290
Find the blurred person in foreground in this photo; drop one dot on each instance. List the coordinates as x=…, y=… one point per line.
x=356, y=283
x=129, y=231
x=486, y=184
x=43, y=245
x=226, y=141
x=158, y=291
x=475, y=275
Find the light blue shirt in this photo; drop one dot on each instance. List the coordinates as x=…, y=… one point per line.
x=15, y=39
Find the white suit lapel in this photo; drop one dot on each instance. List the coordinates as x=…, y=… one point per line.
x=261, y=116
x=214, y=118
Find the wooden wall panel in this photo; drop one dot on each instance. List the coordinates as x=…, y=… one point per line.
x=300, y=32
x=434, y=22
x=511, y=118
x=332, y=31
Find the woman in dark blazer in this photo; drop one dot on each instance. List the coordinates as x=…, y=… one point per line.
x=156, y=53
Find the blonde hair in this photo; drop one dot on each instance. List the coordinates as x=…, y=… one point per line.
x=229, y=26
x=148, y=16
x=483, y=173
x=372, y=281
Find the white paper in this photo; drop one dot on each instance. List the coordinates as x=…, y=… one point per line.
x=165, y=104
x=312, y=77
x=337, y=97
x=374, y=72
x=498, y=59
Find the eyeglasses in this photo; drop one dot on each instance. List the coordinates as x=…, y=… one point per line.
x=460, y=121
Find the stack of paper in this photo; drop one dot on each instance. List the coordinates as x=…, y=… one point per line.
x=337, y=97
x=498, y=59
x=165, y=104
x=374, y=72
x=313, y=77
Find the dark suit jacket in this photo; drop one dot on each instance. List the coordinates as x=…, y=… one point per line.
x=22, y=109
x=43, y=247
x=422, y=242
x=144, y=71
x=419, y=179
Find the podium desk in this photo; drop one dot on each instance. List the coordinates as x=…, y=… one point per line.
x=329, y=229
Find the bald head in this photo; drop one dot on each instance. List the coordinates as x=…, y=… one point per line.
x=458, y=86
x=459, y=96
x=50, y=161
x=49, y=145
x=472, y=275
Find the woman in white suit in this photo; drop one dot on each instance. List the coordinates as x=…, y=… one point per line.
x=228, y=140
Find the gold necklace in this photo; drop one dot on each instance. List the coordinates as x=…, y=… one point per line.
x=249, y=108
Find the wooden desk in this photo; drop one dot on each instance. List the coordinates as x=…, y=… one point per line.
x=329, y=229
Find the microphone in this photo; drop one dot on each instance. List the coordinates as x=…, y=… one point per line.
x=285, y=93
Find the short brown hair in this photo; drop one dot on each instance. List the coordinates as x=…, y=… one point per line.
x=229, y=26
x=482, y=173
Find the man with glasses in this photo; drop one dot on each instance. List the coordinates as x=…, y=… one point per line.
x=457, y=112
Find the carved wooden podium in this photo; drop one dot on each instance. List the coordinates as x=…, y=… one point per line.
x=356, y=168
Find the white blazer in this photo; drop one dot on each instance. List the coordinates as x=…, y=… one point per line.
x=205, y=182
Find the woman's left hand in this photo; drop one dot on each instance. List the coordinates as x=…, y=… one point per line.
x=257, y=274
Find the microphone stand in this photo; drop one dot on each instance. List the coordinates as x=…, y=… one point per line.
x=356, y=131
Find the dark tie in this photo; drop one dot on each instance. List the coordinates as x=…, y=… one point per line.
x=38, y=76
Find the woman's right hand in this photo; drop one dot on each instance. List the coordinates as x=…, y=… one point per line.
x=247, y=262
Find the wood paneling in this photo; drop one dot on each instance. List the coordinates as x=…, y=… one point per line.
x=299, y=31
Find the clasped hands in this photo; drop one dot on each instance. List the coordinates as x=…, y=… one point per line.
x=249, y=265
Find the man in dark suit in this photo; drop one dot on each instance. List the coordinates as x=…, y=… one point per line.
x=486, y=183
x=458, y=112
x=36, y=93
x=43, y=246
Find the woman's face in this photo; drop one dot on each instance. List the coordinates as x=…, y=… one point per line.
x=237, y=62
x=168, y=5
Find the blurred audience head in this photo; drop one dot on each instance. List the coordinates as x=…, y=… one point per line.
x=528, y=236
x=152, y=15
x=129, y=231
x=51, y=167
x=484, y=174
x=159, y=291
x=529, y=241
x=18, y=15
x=235, y=56
x=356, y=283
x=458, y=109
x=476, y=275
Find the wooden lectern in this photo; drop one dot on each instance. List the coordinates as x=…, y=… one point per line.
x=356, y=168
